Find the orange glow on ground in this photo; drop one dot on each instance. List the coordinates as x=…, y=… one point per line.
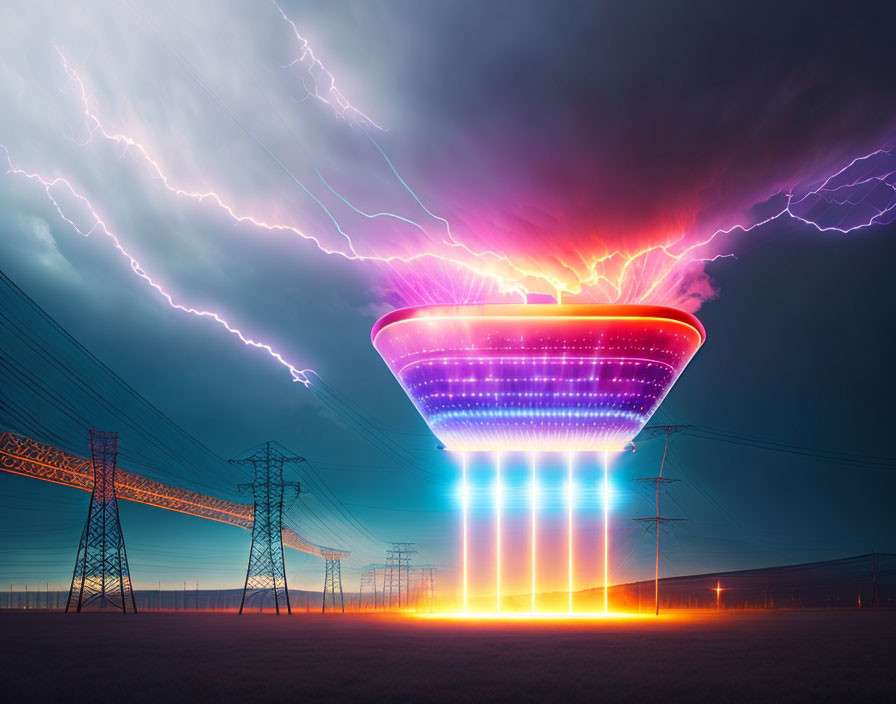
x=539, y=616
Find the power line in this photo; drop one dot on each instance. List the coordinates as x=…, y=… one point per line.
x=856, y=460
x=34, y=337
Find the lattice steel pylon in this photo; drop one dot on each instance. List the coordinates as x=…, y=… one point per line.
x=101, y=574
x=368, y=588
x=425, y=588
x=398, y=559
x=266, y=573
x=332, y=581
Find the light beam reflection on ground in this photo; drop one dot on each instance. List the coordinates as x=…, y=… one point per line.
x=541, y=616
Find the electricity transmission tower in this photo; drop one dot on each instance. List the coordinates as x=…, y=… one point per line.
x=425, y=587
x=875, y=591
x=333, y=580
x=368, y=585
x=101, y=572
x=657, y=519
x=266, y=573
x=398, y=558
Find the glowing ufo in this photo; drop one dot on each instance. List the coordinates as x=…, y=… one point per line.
x=539, y=376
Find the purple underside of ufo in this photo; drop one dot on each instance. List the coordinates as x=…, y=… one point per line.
x=537, y=377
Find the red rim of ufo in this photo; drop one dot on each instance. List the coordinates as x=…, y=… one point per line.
x=539, y=310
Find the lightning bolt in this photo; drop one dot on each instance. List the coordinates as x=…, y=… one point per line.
x=619, y=276
x=99, y=225
x=356, y=118
x=825, y=192
x=473, y=264
x=308, y=68
x=96, y=126
x=828, y=192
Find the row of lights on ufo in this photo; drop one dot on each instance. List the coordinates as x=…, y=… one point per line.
x=536, y=413
x=491, y=379
x=475, y=413
x=585, y=340
x=535, y=361
x=497, y=395
x=541, y=354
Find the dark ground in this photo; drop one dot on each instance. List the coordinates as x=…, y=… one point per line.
x=208, y=657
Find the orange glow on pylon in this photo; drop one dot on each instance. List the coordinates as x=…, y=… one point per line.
x=30, y=458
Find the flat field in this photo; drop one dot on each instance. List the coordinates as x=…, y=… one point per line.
x=766, y=656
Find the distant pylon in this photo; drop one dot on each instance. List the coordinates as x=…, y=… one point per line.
x=266, y=573
x=101, y=572
x=656, y=519
x=875, y=591
x=368, y=589
x=333, y=581
x=398, y=573
x=424, y=587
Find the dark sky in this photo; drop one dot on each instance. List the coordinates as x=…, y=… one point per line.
x=541, y=128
